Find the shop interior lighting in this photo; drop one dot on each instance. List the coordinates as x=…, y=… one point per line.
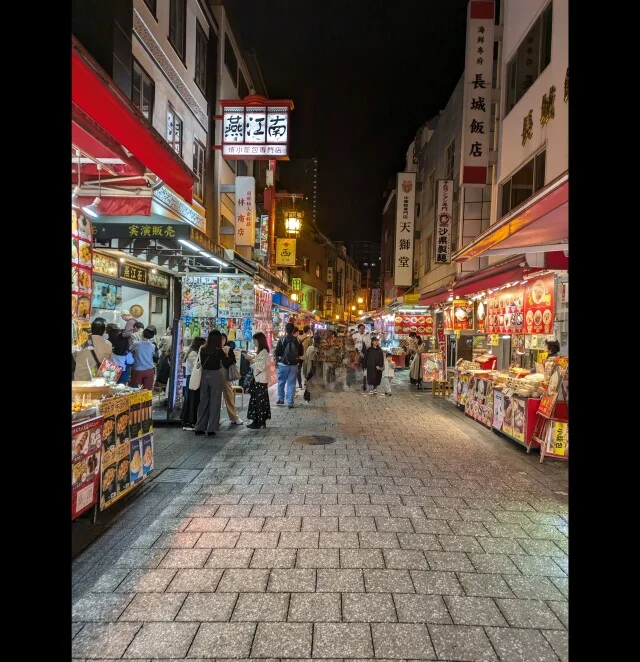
x=220, y=262
x=154, y=271
x=121, y=259
x=184, y=242
x=74, y=196
x=92, y=209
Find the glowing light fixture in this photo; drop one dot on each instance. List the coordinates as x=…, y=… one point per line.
x=92, y=209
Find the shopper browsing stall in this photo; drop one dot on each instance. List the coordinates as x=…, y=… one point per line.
x=230, y=375
x=191, y=398
x=88, y=359
x=259, y=408
x=143, y=368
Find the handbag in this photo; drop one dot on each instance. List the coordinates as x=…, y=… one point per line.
x=234, y=373
x=249, y=381
x=196, y=375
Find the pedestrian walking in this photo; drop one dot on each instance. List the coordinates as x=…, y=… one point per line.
x=389, y=372
x=305, y=338
x=288, y=353
x=213, y=359
x=309, y=367
x=259, y=408
x=190, y=399
x=230, y=375
x=362, y=341
x=374, y=365
x=143, y=368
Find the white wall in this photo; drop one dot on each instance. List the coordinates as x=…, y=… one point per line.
x=174, y=80
x=519, y=16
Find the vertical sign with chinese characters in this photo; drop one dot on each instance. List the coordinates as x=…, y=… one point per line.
x=478, y=74
x=285, y=252
x=444, y=221
x=245, y=210
x=405, y=208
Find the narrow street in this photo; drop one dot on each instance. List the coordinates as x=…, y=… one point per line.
x=416, y=534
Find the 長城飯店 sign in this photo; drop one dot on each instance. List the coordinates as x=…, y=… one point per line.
x=405, y=210
x=478, y=72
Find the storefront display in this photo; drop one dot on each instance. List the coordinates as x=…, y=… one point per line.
x=433, y=368
x=86, y=448
x=127, y=444
x=81, y=265
x=421, y=324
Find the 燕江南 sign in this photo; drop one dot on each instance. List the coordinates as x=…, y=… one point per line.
x=405, y=209
x=255, y=128
x=285, y=252
x=133, y=273
x=245, y=194
x=444, y=221
x=478, y=72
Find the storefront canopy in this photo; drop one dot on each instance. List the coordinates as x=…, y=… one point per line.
x=538, y=225
x=512, y=269
x=107, y=127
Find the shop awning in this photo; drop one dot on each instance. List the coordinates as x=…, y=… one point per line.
x=538, y=225
x=495, y=275
x=95, y=95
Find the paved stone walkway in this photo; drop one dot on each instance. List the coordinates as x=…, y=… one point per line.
x=418, y=534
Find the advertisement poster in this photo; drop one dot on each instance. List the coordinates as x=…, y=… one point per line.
x=470, y=398
x=558, y=439
x=539, y=305
x=498, y=410
x=105, y=296
x=519, y=417
x=200, y=296
x=433, y=368
x=462, y=385
x=462, y=315
x=108, y=411
x=506, y=310
x=81, y=264
x=86, y=446
x=145, y=409
x=135, y=460
x=420, y=324
x=122, y=419
x=236, y=297
x=481, y=315
x=448, y=320
x=147, y=454
x=135, y=425
x=507, y=423
x=486, y=409
x=558, y=374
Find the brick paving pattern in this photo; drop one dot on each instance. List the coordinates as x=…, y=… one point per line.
x=418, y=534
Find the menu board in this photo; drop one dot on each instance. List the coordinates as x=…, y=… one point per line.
x=236, y=297
x=462, y=387
x=126, y=459
x=200, y=296
x=479, y=403
x=462, y=315
x=420, y=324
x=559, y=367
x=81, y=265
x=506, y=310
x=557, y=441
x=86, y=446
x=433, y=368
x=447, y=317
x=539, y=305
x=262, y=304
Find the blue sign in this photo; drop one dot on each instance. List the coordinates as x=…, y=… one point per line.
x=280, y=299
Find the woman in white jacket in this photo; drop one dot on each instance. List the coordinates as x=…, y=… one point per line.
x=259, y=408
x=190, y=399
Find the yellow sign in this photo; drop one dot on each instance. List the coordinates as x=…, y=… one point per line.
x=411, y=298
x=558, y=438
x=285, y=252
x=493, y=339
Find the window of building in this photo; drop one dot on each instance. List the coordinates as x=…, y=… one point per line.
x=152, y=6
x=142, y=91
x=431, y=189
x=230, y=59
x=243, y=90
x=201, y=59
x=528, y=180
x=318, y=271
x=449, y=158
x=198, y=169
x=306, y=264
x=178, y=25
x=531, y=58
x=174, y=130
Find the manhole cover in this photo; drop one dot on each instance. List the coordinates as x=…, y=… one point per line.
x=315, y=440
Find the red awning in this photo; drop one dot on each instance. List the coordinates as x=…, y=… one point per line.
x=538, y=225
x=96, y=95
x=120, y=205
x=495, y=275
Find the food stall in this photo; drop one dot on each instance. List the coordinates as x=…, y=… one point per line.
x=404, y=322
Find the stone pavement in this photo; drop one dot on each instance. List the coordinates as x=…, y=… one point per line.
x=418, y=534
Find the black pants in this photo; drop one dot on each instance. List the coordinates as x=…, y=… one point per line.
x=299, y=376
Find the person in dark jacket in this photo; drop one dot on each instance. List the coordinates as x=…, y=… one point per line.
x=374, y=365
x=288, y=354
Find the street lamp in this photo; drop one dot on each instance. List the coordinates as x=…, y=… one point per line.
x=292, y=223
x=360, y=300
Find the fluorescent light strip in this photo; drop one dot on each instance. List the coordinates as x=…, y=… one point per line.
x=189, y=245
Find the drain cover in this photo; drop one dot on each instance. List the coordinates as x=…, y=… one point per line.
x=315, y=440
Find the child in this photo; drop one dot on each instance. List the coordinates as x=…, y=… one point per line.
x=389, y=371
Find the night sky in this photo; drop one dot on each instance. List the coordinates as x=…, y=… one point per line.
x=364, y=75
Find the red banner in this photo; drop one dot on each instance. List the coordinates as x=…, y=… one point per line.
x=539, y=305
x=462, y=315
x=420, y=324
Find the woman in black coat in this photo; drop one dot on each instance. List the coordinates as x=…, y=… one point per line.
x=374, y=365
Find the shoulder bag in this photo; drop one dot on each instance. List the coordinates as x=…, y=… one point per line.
x=196, y=374
x=234, y=373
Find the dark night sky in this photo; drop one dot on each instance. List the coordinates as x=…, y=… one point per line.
x=364, y=75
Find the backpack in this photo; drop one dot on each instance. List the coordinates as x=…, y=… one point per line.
x=290, y=352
